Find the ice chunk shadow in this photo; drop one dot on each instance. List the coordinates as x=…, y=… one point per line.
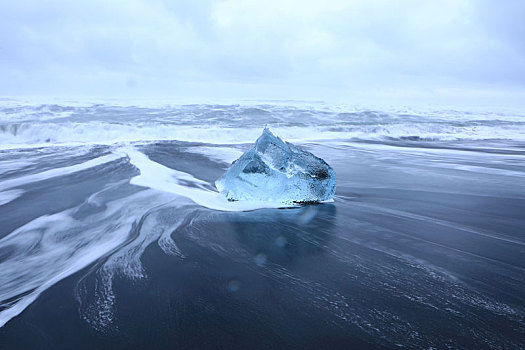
x=294, y=234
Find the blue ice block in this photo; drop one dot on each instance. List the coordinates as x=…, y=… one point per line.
x=277, y=171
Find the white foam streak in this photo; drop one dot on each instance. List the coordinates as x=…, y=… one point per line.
x=13, y=165
x=24, y=180
x=126, y=262
x=9, y=196
x=52, y=247
x=160, y=177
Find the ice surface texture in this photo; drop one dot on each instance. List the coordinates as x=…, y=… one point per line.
x=277, y=171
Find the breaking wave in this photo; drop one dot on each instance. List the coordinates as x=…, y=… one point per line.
x=40, y=125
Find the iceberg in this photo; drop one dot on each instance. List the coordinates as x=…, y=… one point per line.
x=277, y=171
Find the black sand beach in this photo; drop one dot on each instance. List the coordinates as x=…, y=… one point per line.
x=422, y=247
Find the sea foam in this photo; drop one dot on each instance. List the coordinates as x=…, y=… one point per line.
x=162, y=178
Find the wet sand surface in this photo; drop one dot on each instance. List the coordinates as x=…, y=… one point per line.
x=423, y=247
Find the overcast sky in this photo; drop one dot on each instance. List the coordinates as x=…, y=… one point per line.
x=264, y=48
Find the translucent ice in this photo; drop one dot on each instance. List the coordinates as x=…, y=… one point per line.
x=277, y=171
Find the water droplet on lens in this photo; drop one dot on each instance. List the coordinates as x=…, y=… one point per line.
x=308, y=214
x=281, y=241
x=234, y=285
x=260, y=259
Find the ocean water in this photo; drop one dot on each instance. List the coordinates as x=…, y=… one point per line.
x=112, y=235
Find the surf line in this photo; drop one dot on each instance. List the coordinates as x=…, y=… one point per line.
x=159, y=177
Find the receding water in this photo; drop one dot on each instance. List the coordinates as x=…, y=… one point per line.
x=112, y=235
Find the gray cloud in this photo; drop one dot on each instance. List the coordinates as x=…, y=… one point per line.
x=273, y=48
